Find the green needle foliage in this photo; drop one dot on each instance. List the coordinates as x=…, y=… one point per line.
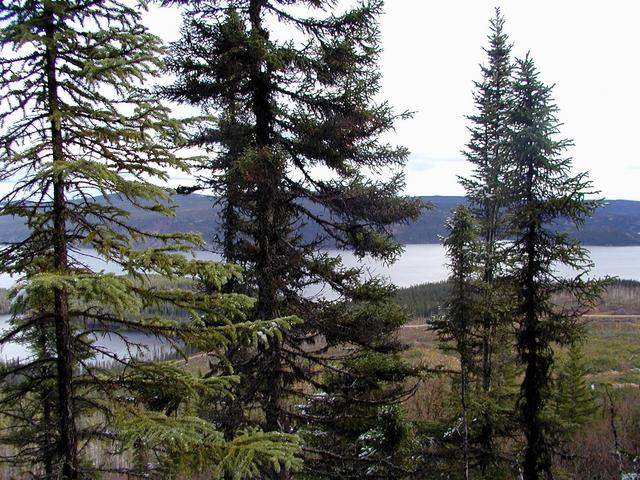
x=487, y=192
x=462, y=323
x=285, y=108
x=543, y=190
x=488, y=147
x=575, y=402
x=78, y=130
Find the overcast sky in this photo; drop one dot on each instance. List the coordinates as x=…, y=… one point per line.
x=590, y=50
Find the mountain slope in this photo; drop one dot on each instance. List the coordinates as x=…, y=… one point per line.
x=616, y=224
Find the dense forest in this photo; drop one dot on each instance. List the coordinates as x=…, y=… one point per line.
x=283, y=362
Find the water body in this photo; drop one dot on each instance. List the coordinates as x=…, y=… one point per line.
x=418, y=264
x=428, y=263
x=424, y=263
x=86, y=256
x=11, y=350
x=621, y=262
x=141, y=345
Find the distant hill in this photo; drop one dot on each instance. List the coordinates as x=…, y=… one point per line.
x=615, y=224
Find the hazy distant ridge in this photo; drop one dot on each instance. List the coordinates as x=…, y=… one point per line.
x=617, y=223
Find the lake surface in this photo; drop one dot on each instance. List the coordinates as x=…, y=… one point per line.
x=149, y=345
x=418, y=264
x=425, y=263
x=10, y=350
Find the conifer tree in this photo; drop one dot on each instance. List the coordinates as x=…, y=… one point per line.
x=305, y=103
x=78, y=130
x=575, y=402
x=462, y=318
x=486, y=191
x=543, y=190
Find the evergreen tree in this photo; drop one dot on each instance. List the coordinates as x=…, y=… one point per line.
x=370, y=438
x=75, y=125
x=543, y=190
x=486, y=190
x=36, y=445
x=462, y=318
x=575, y=403
x=303, y=103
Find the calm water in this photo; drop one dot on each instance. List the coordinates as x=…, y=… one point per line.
x=149, y=345
x=426, y=263
x=10, y=350
x=418, y=264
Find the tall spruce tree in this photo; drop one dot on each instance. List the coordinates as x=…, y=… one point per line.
x=486, y=190
x=462, y=321
x=77, y=124
x=543, y=190
x=305, y=103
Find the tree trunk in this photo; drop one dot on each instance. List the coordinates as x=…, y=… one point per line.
x=488, y=332
x=465, y=419
x=535, y=451
x=47, y=433
x=64, y=350
x=267, y=228
x=463, y=325
x=536, y=460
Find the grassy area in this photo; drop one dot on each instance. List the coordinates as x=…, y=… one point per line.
x=611, y=344
x=612, y=350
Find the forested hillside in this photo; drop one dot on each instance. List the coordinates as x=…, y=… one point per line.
x=617, y=223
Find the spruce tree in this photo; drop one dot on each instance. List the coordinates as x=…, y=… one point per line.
x=462, y=321
x=575, y=403
x=304, y=103
x=79, y=131
x=542, y=191
x=486, y=191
